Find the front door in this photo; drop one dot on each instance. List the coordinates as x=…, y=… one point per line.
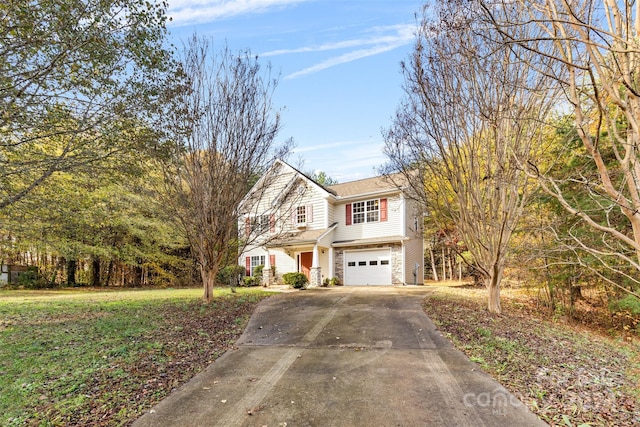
x=306, y=261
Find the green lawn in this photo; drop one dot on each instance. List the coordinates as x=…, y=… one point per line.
x=77, y=357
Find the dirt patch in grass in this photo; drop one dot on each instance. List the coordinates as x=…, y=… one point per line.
x=565, y=373
x=141, y=353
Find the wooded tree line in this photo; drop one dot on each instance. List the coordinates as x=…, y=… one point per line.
x=123, y=161
x=522, y=120
x=79, y=81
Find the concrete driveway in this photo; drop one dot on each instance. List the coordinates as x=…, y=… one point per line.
x=365, y=356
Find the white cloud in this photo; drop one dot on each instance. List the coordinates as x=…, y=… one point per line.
x=185, y=12
x=401, y=35
x=342, y=59
x=384, y=39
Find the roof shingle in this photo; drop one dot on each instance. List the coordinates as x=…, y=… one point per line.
x=369, y=185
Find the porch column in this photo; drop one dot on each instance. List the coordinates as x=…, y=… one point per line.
x=267, y=273
x=316, y=270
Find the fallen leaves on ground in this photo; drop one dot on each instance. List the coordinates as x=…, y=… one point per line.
x=190, y=336
x=567, y=375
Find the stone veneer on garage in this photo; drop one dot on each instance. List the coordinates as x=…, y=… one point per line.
x=396, y=261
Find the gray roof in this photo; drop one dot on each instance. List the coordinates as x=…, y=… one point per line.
x=370, y=185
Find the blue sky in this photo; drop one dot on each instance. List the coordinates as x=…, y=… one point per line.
x=339, y=66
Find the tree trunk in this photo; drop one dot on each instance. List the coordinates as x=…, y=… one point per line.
x=494, y=297
x=550, y=287
x=547, y=275
x=493, y=286
x=575, y=293
x=635, y=226
x=208, y=279
x=433, y=265
x=59, y=263
x=137, y=276
x=109, y=273
x=444, y=266
x=72, y=266
x=95, y=271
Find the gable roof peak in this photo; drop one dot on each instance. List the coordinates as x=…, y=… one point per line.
x=325, y=188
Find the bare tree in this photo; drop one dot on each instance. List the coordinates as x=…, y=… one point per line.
x=591, y=48
x=468, y=119
x=224, y=127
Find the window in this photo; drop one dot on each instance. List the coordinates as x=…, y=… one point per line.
x=361, y=263
x=260, y=224
x=256, y=261
x=368, y=211
x=351, y=263
x=358, y=212
x=384, y=262
x=301, y=215
x=373, y=262
x=373, y=209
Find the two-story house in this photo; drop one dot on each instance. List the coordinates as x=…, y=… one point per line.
x=365, y=232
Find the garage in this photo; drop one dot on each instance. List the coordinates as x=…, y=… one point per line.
x=368, y=267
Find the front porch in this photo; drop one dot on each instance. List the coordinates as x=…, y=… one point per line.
x=312, y=254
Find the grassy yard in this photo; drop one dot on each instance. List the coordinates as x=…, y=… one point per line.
x=97, y=358
x=568, y=374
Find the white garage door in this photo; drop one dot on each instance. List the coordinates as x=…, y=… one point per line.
x=368, y=267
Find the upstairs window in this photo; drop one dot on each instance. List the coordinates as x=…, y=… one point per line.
x=302, y=215
x=261, y=223
x=366, y=211
x=373, y=210
x=358, y=212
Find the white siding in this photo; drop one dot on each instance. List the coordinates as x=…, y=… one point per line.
x=261, y=202
x=287, y=183
x=330, y=209
x=391, y=227
x=413, y=254
x=284, y=263
x=276, y=187
x=414, y=248
x=313, y=197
